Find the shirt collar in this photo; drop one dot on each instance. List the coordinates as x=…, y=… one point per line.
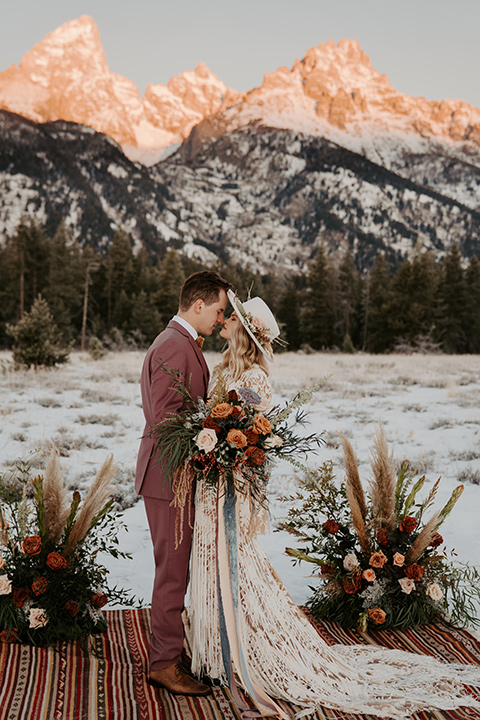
x=186, y=325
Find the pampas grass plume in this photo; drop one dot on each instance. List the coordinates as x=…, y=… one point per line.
x=383, y=485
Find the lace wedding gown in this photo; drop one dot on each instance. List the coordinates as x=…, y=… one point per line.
x=245, y=628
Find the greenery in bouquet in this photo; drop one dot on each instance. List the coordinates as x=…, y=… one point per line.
x=52, y=585
x=231, y=433
x=381, y=562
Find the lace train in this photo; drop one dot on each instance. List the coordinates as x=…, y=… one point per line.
x=275, y=651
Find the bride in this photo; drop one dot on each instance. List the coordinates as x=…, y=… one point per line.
x=246, y=629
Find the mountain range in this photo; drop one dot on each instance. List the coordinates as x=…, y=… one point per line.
x=326, y=151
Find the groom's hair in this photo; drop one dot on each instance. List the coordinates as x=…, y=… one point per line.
x=204, y=285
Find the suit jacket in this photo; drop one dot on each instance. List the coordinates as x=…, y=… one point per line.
x=175, y=346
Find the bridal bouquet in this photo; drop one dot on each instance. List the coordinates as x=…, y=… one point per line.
x=380, y=561
x=52, y=587
x=229, y=434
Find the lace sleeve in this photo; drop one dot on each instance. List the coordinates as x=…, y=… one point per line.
x=257, y=380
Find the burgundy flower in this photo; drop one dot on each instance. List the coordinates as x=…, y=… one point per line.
x=20, y=596
x=39, y=586
x=32, y=545
x=327, y=569
x=414, y=571
x=99, y=600
x=436, y=540
x=254, y=455
x=408, y=524
x=352, y=583
x=210, y=424
x=331, y=526
x=382, y=536
x=72, y=607
x=55, y=561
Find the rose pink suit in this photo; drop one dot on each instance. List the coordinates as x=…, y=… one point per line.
x=176, y=347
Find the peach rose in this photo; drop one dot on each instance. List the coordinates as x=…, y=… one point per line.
x=398, y=559
x=55, y=561
x=37, y=618
x=369, y=575
x=434, y=591
x=377, y=560
x=5, y=585
x=206, y=439
x=377, y=615
x=32, y=545
x=261, y=425
x=222, y=410
x=407, y=585
x=237, y=438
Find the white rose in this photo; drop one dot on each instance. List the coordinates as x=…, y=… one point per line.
x=206, y=439
x=350, y=562
x=5, y=585
x=434, y=591
x=407, y=585
x=37, y=617
x=274, y=441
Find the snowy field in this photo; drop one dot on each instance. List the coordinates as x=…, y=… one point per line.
x=429, y=405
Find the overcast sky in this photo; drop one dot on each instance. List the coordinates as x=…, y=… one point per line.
x=426, y=47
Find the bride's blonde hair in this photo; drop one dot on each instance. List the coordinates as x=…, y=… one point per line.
x=242, y=353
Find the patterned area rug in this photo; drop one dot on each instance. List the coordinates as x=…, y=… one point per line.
x=107, y=680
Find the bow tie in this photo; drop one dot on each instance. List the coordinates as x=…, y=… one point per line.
x=200, y=340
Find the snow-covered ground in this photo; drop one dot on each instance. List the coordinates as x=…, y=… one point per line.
x=429, y=405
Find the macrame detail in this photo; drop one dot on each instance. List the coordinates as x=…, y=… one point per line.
x=245, y=628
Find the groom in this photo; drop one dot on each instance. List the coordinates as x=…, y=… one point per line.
x=203, y=300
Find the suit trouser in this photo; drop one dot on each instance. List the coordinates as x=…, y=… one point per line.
x=170, y=584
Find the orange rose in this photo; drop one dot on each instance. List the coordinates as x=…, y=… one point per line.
x=398, y=559
x=261, y=425
x=255, y=455
x=377, y=615
x=378, y=559
x=414, y=571
x=222, y=410
x=408, y=524
x=39, y=585
x=32, y=545
x=72, y=607
x=99, y=600
x=237, y=438
x=55, y=561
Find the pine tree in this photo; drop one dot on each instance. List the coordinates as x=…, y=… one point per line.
x=289, y=316
x=472, y=309
x=318, y=318
x=36, y=338
x=347, y=305
x=452, y=295
x=170, y=281
x=378, y=335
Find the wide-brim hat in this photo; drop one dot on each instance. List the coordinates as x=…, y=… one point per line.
x=258, y=320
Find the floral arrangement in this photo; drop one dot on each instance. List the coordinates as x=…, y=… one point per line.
x=381, y=563
x=52, y=587
x=231, y=433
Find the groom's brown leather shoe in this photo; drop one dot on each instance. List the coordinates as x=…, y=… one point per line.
x=177, y=681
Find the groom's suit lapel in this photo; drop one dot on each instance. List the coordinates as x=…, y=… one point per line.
x=198, y=353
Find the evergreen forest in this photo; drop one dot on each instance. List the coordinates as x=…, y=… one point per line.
x=124, y=298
